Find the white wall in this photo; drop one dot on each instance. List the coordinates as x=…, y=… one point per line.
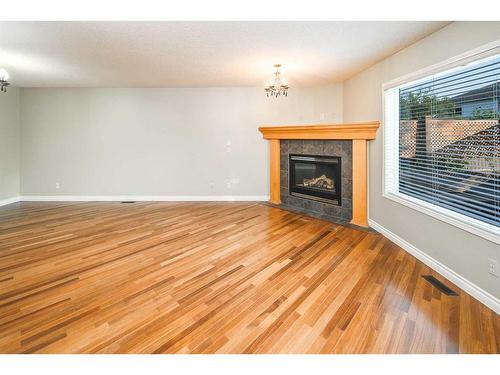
x=157, y=142
x=9, y=145
x=462, y=252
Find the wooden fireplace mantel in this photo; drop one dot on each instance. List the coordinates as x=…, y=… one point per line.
x=359, y=133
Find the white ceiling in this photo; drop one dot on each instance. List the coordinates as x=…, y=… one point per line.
x=196, y=54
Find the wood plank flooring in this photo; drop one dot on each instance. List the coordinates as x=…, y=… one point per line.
x=218, y=278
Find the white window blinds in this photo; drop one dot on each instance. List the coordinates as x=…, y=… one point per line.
x=442, y=140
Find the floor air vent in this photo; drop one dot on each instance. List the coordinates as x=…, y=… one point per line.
x=439, y=285
x=128, y=202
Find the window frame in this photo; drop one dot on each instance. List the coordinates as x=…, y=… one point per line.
x=391, y=124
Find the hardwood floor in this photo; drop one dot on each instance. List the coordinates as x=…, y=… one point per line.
x=218, y=278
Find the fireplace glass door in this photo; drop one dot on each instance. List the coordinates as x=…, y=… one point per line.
x=315, y=177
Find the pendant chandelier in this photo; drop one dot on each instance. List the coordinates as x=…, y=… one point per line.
x=277, y=86
x=4, y=80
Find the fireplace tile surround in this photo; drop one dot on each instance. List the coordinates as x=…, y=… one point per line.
x=340, y=214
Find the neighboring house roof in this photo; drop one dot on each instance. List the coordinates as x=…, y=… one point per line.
x=481, y=94
x=480, y=144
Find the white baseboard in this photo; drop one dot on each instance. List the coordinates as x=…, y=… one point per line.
x=144, y=198
x=4, y=202
x=481, y=295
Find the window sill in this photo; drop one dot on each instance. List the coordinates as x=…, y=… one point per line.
x=486, y=231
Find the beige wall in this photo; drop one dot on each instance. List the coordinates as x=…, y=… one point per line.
x=462, y=252
x=152, y=142
x=9, y=144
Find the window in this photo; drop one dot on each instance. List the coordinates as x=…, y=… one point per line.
x=442, y=145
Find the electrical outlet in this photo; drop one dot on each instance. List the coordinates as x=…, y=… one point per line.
x=58, y=185
x=493, y=266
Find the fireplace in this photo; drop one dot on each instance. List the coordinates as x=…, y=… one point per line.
x=315, y=177
x=348, y=141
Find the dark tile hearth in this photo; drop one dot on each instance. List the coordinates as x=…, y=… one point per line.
x=314, y=214
x=340, y=214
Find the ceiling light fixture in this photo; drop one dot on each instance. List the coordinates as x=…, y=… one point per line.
x=4, y=80
x=278, y=85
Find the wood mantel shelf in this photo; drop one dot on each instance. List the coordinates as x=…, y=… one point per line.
x=360, y=130
x=359, y=133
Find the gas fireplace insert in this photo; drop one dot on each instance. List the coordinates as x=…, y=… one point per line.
x=315, y=177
